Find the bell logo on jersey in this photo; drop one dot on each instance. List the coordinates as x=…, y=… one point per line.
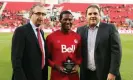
x=65, y=49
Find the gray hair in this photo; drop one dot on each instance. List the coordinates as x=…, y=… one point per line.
x=39, y=4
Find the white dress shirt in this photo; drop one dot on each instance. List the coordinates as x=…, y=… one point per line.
x=92, y=32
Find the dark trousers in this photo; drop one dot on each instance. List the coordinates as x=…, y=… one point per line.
x=91, y=75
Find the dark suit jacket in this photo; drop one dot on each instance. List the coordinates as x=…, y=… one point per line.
x=26, y=55
x=107, y=53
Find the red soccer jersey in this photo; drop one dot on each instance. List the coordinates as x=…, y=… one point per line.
x=61, y=46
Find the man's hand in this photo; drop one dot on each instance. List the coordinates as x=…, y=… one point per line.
x=111, y=76
x=59, y=68
x=75, y=69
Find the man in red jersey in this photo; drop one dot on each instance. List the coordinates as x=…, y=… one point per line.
x=62, y=45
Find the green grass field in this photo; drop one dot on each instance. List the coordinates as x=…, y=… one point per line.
x=5, y=59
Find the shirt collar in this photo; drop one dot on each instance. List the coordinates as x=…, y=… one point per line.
x=97, y=26
x=33, y=26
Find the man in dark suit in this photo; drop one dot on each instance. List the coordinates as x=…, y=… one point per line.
x=28, y=53
x=101, y=48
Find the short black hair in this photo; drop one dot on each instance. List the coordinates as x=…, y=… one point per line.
x=94, y=6
x=64, y=12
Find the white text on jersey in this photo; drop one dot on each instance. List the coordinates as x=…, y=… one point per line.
x=65, y=49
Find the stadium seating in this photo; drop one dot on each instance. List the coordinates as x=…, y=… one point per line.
x=12, y=15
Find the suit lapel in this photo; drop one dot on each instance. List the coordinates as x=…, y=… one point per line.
x=86, y=33
x=42, y=33
x=32, y=35
x=44, y=43
x=85, y=36
x=99, y=32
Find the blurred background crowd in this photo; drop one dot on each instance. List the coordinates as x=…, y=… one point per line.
x=14, y=14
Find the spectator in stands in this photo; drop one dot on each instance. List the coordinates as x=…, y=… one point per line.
x=28, y=53
x=64, y=50
x=101, y=48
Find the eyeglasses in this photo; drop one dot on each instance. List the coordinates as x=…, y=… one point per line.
x=39, y=13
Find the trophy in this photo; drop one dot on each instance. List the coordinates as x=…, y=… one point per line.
x=68, y=65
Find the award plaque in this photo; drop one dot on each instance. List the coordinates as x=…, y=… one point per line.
x=68, y=65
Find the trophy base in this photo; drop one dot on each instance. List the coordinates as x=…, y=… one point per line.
x=67, y=71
